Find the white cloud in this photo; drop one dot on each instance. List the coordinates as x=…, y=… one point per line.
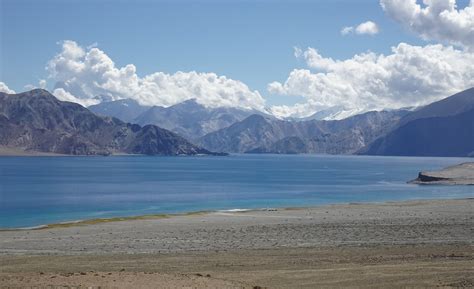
x=63, y=95
x=315, y=60
x=42, y=83
x=409, y=76
x=368, y=27
x=4, y=88
x=435, y=19
x=88, y=76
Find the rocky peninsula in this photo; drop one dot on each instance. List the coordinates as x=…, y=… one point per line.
x=462, y=174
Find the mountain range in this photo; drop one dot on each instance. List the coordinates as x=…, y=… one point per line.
x=443, y=128
x=236, y=130
x=259, y=134
x=189, y=119
x=124, y=109
x=37, y=121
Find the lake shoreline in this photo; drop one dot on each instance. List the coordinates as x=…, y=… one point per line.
x=337, y=224
x=393, y=244
x=97, y=221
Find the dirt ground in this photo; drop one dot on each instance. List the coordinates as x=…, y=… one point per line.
x=418, y=244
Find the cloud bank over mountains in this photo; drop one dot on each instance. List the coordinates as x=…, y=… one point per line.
x=89, y=76
x=407, y=76
x=4, y=88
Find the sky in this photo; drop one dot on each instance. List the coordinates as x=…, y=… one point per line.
x=293, y=58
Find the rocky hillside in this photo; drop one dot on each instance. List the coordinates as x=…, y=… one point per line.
x=259, y=134
x=37, y=121
x=443, y=128
x=191, y=119
x=188, y=119
x=125, y=109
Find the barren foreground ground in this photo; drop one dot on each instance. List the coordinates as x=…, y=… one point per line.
x=390, y=245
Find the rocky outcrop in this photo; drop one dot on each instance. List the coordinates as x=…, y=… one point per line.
x=462, y=174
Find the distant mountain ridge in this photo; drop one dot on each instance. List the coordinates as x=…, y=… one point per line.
x=37, y=121
x=189, y=119
x=125, y=109
x=443, y=128
x=258, y=134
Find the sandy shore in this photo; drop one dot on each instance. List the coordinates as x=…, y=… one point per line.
x=416, y=243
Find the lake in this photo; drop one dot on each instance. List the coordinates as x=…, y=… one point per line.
x=44, y=190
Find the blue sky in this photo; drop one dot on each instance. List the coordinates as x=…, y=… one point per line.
x=250, y=41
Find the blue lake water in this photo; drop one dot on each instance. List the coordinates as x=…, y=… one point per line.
x=42, y=190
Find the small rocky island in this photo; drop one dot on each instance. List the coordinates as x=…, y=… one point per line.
x=462, y=174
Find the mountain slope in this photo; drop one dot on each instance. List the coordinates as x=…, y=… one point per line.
x=191, y=119
x=125, y=109
x=443, y=128
x=247, y=134
x=453, y=105
x=37, y=121
x=258, y=134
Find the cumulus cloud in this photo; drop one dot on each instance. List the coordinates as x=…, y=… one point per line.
x=435, y=20
x=64, y=95
x=5, y=89
x=368, y=27
x=89, y=76
x=409, y=76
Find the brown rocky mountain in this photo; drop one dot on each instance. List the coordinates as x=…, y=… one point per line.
x=37, y=121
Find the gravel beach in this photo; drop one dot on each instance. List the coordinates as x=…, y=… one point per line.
x=283, y=248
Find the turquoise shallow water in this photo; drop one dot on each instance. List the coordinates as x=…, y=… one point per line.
x=42, y=190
